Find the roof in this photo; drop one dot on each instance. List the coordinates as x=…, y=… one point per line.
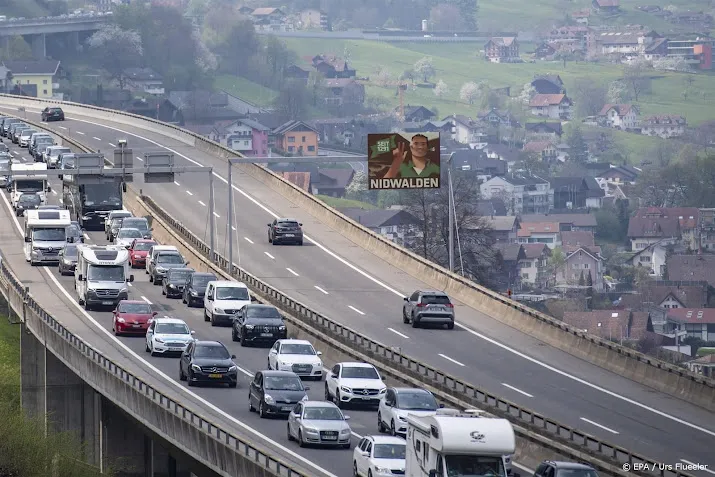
x=707, y=359
x=556, y=79
x=528, y=228
x=355, y=364
x=594, y=252
x=510, y=252
x=502, y=40
x=692, y=315
x=376, y=218
x=607, y=323
x=629, y=173
x=254, y=124
x=541, y=100
x=32, y=67
x=378, y=439
x=661, y=227
x=549, y=126
x=338, y=178
x=291, y=125
x=535, y=250
x=607, y=3
x=266, y=11
x=294, y=341
x=168, y=319
x=689, y=296
x=337, y=63
x=300, y=179
x=523, y=180
x=576, y=220
x=537, y=146
x=692, y=268
x=621, y=109
x=618, y=38
x=663, y=119
x=501, y=223
x=688, y=217
x=573, y=240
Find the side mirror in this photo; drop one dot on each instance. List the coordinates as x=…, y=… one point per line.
x=80, y=278
x=151, y=230
x=441, y=406
x=319, y=353
x=193, y=332
x=49, y=189
x=347, y=418
x=300, y=225
x=154, y=313
x=131, y=278
x=306, y=388
x=233, y=356
x=187, y=263
x=253, y=298
x=333, y=375
x=28, y=239
x=210, y=298
x=365, y=453
x=269, y=225
x=406, y=299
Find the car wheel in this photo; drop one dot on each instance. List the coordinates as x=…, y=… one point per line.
x=114, y=330
x=206, y=315
x=348, y=446
x=234, y=336
x=182, y=376
x=450, y=326
x=355, y=472
x=151, y=278
x=405, y=319
x=250, y=404
x=337, y=400
x=369, y=473
x=153, y=353
x=288, y=434
x=190, y=379
x=233, y=385
x=270, y=240
x=261, y=410
x=213, y=320
x=415, y=323
x=327, y=393
x=269, y=365
x=393, y=432
x=300, y=243
x=380, y=425
x=183, y=299
x=300, y=439
x=146, y=347
x=163, y=292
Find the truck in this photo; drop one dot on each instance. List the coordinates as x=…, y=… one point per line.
x=101, y=275
x=90, y=204
x=45, y=235
x=32, y=181
x=451, y=443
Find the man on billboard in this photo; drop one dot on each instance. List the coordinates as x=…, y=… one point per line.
x=395, y=163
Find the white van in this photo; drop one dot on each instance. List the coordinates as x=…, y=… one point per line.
x=45, y=235
x=153, y=251
x=223, y=299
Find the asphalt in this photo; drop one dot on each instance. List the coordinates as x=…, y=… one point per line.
x=539, y=377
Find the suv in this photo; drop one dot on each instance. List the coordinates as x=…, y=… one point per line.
x=276, y=392
x=551, y=468
x=53, y=114
x=208, y=362
x=110, y=224
x=398, y=402
x=163, y=262
x=195, y=288
x=172, y=286
x=427, y=307
x=285, y=231
x=258, y=324
x=354, y=383
x=140, y=223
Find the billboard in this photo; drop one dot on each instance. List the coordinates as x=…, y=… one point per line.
x=403, y=161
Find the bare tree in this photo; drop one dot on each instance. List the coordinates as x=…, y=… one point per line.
x=589, y=97
x=469, y=92
x=636, y=79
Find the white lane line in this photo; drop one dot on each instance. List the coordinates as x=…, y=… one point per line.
x=177, y=183
x=450, y=359
x=139, y=159
x=113, y=145
x=247, y=239
x=398, y=333
x=54, y=192
x=200, y=202
x=189, y=192
x=402, y=295
x=129, y=283
x=96, y=138
x=80, y=133
x=216, y=215
x=62, y=127
x=270, y=256
x=145, y=299
x=12, y=152
x=233, y=228
x=86, y=237
x=292, y=272
x=697, y=467
x=320, y=290
x=516, y=389
x=355, y=309
x=599, y=425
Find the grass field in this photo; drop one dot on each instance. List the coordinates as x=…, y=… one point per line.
x=245, y=89
x=9, y=362
x=337, y=202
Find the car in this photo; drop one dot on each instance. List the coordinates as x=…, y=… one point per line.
x=354, y=383
x=140, y=223
x=195, y=288
x=398, y=402
x=114, y=225
x=24, y=138
x=40, y=147
x=206, y=362
x=36, y=139
x=553, y=468
x=74, y=233
x=379, y=456
x=51, y=156
x=428, y=307
x=275, y=393
x=285, y=231
x=109, y=222
x=319, y=423
x=138, y=251
x=168, y=335
x=174, y=282
x=17, y=130
x=152, y=254
x=165, y=261
x=298, y=356
x=7, y=124
x=3, y=147
x=52, y=113
x=27, y=202
x=258, y=324
x=223, y=299
x=125, y=236
x=132, y=317
x=68, y=260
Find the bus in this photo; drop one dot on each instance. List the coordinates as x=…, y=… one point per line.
x=90, y=204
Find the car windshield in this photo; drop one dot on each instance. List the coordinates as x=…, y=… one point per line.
x=28, y=132
x=421, y=401
x=135, y=308
x=62, y=150
x=30, y=198
x=287, y=224
x=169, y=258
x=359, y=372
x=202, y=281
x=389, y=451
x=297, y=348
x=49, y=235
x=576, y=473
x=435, y=299
x=262, y=312
x=283, y=383
x=172, y=329
x=322, y=414
x=25, y=185
x=71, y=251
x=474, y=466
x=179, y=275
x=129, y=233
x=68, y=163
x=232, y=293
x=117, y=222
x=140, y=224
x=217, y=352
x=105, y=273
x=143, y=246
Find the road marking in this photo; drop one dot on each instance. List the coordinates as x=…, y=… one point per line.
x=355, y=309
x=516, y=389
x=247, y=239
x=145, y=299
x=292, y=272
x=269, y=255
x=12, y=152
x=129, y=283
x=54, y=192
x=177, y=183
x=398, y=333
x=202, y=203
x=189, y=192
x=216, y=215
x=80, y=133
x=233, y=228
x=62, y=127
x=140, y=159
x=599, y=425
x=699, y=466
x=86, y=237
x=97, y=138
x=320, y=289
x=113, y=145
x=450, y=359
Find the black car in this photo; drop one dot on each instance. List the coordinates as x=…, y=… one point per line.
x=275, y=392
x=285, y=231
x=174, y=282
x=68, y=260
x=195, y=288
x=39, y=147
x=53, y=114
x=208, y=362
x=27, y=202
x=6, y=123
x=258, y=324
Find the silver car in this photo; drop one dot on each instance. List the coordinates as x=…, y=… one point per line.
x=319, y=423
x=24, y=138
x=126, y=236
x=428, y=307
x=51, y=156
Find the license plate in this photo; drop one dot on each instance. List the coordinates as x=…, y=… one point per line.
x=215, y=375
x=365, y=398
x=289, y=235
x=330, y=438
x=137, y=326
x=286, y=408
x=266, y=335
x=107, y=303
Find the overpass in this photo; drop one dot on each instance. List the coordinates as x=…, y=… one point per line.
x=500, y=345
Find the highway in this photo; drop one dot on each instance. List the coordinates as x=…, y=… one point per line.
x=322, y=274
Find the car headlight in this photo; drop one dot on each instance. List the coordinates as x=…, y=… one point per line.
x=383, y=390
x=196, y=367
x=158, y=340
x=346, y=389
x=305, y=398
x=35, y=249
x=124, y=290
x=86, y=217
x=382, y=470
x=269, y=399
x=120, y=319
x=232, y=368
x=160, y=269
x=345, y=431
x=281, y=363
x=249, y=327
x=219, y=311
x=281, y=328
x=402, y=418
x=311, y=430
x=194, y=293
x=171, y=285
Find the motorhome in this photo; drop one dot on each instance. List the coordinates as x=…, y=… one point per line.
x=33, y=180
x=452, y=443
x=101, y=275
x=45, y=235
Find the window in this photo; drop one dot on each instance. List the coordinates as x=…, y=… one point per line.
x=291, y=148
x=44, y=91
x=525, y=276
x=303, y=140
x=291, y=138
x=245, y=143
x=311, y=148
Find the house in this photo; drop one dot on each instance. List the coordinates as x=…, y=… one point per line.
x=313, y=19
x=521, y=194
x=614, y=325
x=687, y=217
x=152, y=107
x=696, y=322
x=619, y=116
x=541, y=150
x=511, y=255
x=395, y=224
x=497, y=118
x=667, y=295
x=343, y=92
x=416, y=113
x=492, y=208
x=247, y=136
x=331, y=66
x=39, y=73
x=620, y=43
x=503, y=229
x=706, y=230
x=544, y=130
x=548, y=84
x=658, y=48
x=653, y=257
x=651, y=225
x=532, y=267
x=606, y=6
x=297, y=137
x=544, y=50
x=546, y=233
x=297, y=73
x=577, y=36
x=620, y=174
x=144, y=80
x=582, y=262
x=322, y=181
x=477, y=163
x=704, y=365
x=691, y=268
x=466, y=130
x=269, y=19
x=202, y=107
x=301, y=179
x=573, y=240
x=112, y=98
x=576, y=192
x=567, y=222
x=554, y=106
x=663, y=125
x=502, y=50
x=509, y=154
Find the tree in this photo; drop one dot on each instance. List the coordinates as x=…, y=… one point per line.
x=636, y=80
x=617, y=92
x=469, y=92
x=469, y=11
x=578, y=149
x=446, y=17
x=382, y=76
x=197, y=10
x=441, y=89
x=425, y=68
x=17, y=49
x=116, y=50
x=316, y=87
x=589, y=97
x=555, y=262
x=527, y=92
x=292, y=100
x=581, y=280
x=408, y=75
x=358, y=187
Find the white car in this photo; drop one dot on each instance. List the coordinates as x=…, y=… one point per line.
x=379, y=456
x=223, y=299
x=125, y=237
x=24, y=137
x=168, y=335
x=399, y=402
x=353, y=383
x=297, y=356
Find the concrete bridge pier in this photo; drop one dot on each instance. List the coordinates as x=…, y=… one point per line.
x=39, y=46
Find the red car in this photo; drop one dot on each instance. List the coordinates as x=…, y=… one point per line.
x=132, y=317
x=138, y=251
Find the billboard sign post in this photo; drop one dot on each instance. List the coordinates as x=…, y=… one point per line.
x=403, y=161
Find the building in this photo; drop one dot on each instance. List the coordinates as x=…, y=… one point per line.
x=511, y=254
x=614, y=325
x=317, y=180
x=572, y=240
x=653, y=257
x=297, y=137
x=667, y=295
x=577, y=36
x=620, y=43
x=541, y=150
x=567, y=222
x=546, y=233
x=606, y=6
x=549, y=84
x=619, y=116
x=477, y=163
x=269, y=19
x=40, y=74
x=503, y=229
x=496, y=118
x=416, y=113
x=692, y=268
x=247, y=136
x=704, y=365
x=706, y=230
x=554, y=106
x=544, y=50
x=576, y=193
x=697, y=323
x=509, y=154
x=533, y=267
x=331, y=66
x=466, y=130
x=521, y=195
x=202, y=107
x=313, y=19
x=144, y=80
x=687, y=217
x=582, y=262
x=544, y=130
x=502, y=50
x=394, y=224
x=651, y=225
x=343, y=92
x=697, y=52
x=663, y=125
x=620, y=175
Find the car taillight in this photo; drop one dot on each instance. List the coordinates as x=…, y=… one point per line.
x=449, y=305
x=420, y=305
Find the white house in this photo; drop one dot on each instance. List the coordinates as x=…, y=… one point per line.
x=554, y=106
x=533, y=267
x=467, y=131
x=521, y=195
x=546, y=233
x=145, y=80
x=663, y=125
x=653, y=257
x=619, y=116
